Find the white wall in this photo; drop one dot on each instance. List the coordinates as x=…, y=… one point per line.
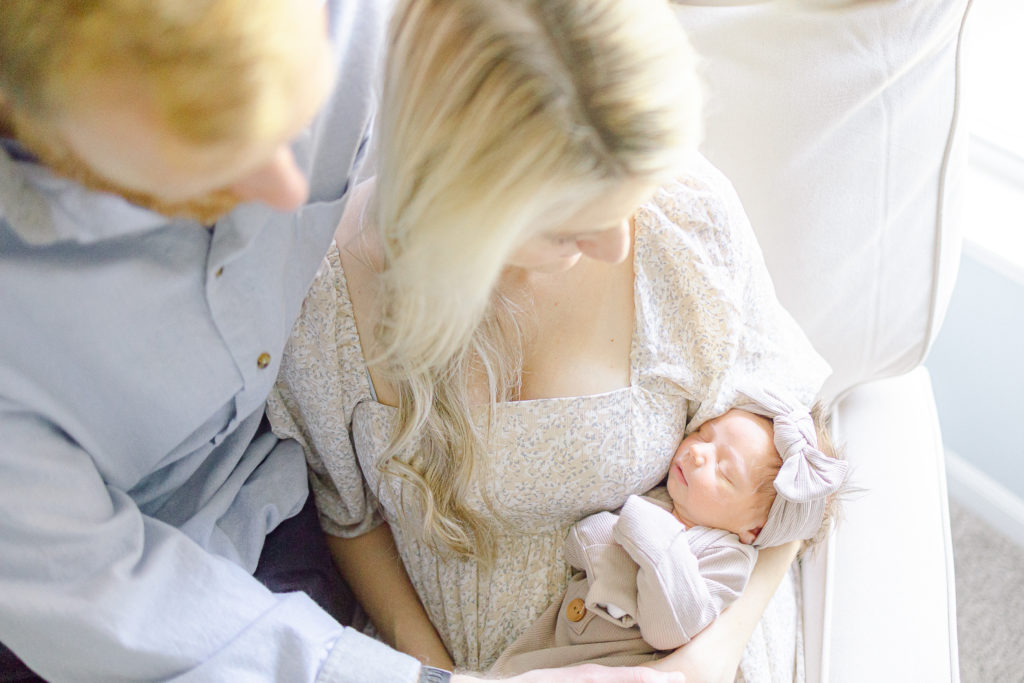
x=977, y=369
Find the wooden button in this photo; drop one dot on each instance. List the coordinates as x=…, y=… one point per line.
x=263, y=361
x=575, y=610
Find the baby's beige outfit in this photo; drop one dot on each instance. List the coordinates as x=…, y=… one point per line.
x=706, y=323
x=644, y=584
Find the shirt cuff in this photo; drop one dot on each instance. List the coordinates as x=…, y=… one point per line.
x=356, y=658
x=646, y=526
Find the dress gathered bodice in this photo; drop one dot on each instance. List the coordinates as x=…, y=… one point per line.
x=553, y=462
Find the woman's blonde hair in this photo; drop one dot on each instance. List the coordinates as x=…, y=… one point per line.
x=213, y=70
x=499, y=116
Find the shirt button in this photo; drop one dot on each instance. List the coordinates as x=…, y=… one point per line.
x=220, y=271
x=575, y=610
x=263, y=360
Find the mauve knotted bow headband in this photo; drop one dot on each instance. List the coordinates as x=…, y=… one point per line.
x=807, y=477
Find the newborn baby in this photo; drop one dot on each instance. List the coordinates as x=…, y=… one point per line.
x=662, y=568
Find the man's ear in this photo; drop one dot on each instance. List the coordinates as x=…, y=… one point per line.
x=749, y=535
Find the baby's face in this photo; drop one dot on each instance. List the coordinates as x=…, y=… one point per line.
x=716, y=472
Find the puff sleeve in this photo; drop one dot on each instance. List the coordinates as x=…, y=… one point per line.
x=708, y=318
x=321, y=380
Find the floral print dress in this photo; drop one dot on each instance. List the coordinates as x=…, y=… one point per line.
x=707, y=323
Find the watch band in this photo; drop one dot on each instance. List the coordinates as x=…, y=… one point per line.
x=431, y=674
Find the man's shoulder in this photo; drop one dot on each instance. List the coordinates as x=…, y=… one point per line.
x=40, y=208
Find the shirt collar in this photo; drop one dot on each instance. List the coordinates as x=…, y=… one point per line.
x=43, y=208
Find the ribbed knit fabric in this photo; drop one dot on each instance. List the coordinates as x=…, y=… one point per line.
x=670, y=581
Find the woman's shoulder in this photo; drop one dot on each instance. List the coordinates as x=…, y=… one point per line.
x=694, y=224
x=325, y=297
x=699, y=200
x=324, y=338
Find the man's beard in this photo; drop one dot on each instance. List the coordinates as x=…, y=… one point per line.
x=205, y=209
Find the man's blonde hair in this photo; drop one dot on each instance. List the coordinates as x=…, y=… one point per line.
x=499, y=116
x=213, y=70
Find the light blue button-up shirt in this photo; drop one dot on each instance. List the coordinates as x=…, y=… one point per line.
x=135, y=357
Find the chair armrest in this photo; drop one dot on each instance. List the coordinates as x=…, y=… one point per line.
x=879, y=601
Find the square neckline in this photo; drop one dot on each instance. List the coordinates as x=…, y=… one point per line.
x=335, y=251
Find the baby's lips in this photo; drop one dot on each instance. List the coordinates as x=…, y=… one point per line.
x=682, y=476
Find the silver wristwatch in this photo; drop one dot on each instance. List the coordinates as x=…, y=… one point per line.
x=431, y=674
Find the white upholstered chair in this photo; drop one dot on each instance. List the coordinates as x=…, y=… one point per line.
x=837, y=123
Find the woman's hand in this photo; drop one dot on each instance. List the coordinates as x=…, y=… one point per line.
x=713, y=656
x=589, y=673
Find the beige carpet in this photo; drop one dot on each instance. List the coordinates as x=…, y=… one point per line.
x=989, y=601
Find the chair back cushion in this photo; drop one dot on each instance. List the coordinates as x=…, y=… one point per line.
x=837, y=123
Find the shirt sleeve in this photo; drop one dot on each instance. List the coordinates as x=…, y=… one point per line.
x=706, y=305
x=685, y=578
x=321, y=380
x=91, y=589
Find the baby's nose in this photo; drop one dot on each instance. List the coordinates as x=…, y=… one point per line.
x=698, y=459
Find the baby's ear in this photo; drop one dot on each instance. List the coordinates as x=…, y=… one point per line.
x=750, y=535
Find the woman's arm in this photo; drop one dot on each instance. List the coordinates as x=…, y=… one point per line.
x=714, y=654
x=373, y=569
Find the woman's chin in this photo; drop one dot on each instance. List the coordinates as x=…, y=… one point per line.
x=559, y=266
